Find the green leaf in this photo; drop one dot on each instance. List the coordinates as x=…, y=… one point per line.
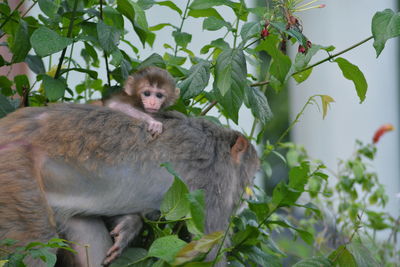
x=5, y=86
x=197, y=247
x=250, y=29
x=262, y=258
x=314, y=262
x=326, y=100
x=35, y=63
x=353, y=73
x=160, y=26
x=175, y=204
x=113, y=18
x=258, y=104
x=45, y=255
x=342, y=257
x=182, y=38
x=108, y=37
x=91, y=73
x=197, y=209
x=20, y=45
x=21, y=83
x=385, y=25
x=218, y=43
x=49, y=7
x=209, y=12
x=46, y=42
x=204, y=4
x=362, y=255
x=231, y=102
x=230, y=71
x=130, y=255
x=214, y=24
x=247, y=237
x=137, y=17
x=5, y=106
x=197, y=80
x=281, y=63
x=54, y=88
x=153, y=60
x=171, y=5
x=166, y=248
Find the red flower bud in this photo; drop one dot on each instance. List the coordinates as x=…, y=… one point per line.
x=381, y=131
x=301, y=49
x=264, y=33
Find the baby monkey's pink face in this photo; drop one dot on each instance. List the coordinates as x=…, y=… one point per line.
x=152, y=98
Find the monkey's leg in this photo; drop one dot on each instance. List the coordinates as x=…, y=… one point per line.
x=92, y=238
x=24, y=213
x=125, y=229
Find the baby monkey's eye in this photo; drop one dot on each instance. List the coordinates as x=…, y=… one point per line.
x=146, y=93
x=160, y=95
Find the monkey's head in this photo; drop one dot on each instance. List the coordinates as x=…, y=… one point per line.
x=152, y=89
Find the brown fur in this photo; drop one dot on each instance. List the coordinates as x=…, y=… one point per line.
x=89, y=139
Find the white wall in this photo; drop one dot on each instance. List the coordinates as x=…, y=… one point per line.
x=343, y=23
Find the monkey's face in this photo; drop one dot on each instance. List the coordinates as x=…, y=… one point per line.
x=152, y=98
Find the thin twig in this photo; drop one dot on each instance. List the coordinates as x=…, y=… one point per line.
x=105, y=53
x=69, y=33
x=208, y=108
x=335, y=55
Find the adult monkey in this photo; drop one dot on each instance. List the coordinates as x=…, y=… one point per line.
x=74, y=163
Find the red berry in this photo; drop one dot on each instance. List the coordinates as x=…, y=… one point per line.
x=301, y=49
x=264, y=33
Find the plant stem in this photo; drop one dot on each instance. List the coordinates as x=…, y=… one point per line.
x=181, y=26
x=69, y=33
x=208, y=108
x=296, y=120
x=12, y=13
x=105, y=53
x=335, y=55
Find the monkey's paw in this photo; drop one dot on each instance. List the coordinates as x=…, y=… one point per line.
x=155, y=127
x=123, y=233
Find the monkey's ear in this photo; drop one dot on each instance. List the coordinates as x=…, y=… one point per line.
x=129, y=85
x=239, y=148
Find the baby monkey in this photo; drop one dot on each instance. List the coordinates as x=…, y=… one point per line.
x=145, y=92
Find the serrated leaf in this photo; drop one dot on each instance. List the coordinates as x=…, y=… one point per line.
x=46, y=42
x=171, y=5
x=54, y=88
x=218, y=43
x=258, y=104
x=20, y=45
x=166, y=248
x=214, y=24
x=314, y=262
x=182, y=38
x=326, y=100
x=175, y=203
x=5, y=106
x=353, y=73
x=108, y=37
x=385, y=25
x=197, y=247
x=262, y=258
x=197, y=80
x=49, y=7
x=250, y=29
x=231, y=102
